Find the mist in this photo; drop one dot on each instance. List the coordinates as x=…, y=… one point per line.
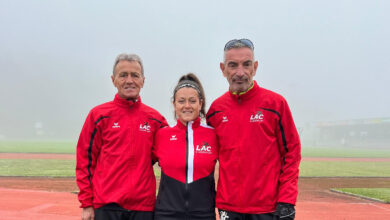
x=329, y=59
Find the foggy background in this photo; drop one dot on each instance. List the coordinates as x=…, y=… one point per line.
x=329, y=59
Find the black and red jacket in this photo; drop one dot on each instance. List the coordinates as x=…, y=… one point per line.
x=114, y=155
x=187, y=155
x=259, y=152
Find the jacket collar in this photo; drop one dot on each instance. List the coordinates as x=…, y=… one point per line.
x=246, y=95
x=194, y=123
x=127, y=103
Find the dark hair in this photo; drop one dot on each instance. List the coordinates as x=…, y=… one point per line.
x=190, y=80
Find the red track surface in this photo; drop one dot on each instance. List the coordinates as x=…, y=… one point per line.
x=313, y=203
x=16, y=204
x=50, y=198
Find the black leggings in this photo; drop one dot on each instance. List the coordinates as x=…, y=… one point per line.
x=115, y=212
x=158, y=215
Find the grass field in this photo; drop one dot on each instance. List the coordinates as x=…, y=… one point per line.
x=30, y=167
x=344, y=168
x=56, y=168
x=381, y=194
x=70, y=147
x=61, y=147
x=37, y=167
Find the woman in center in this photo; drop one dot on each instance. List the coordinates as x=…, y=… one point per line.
x=187, y=154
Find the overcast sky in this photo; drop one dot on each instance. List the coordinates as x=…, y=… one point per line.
x=329, y=59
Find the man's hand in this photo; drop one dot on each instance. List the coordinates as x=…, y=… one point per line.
x=88, y=213
x=285, y=211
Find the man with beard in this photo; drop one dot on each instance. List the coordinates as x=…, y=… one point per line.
x=259, y=152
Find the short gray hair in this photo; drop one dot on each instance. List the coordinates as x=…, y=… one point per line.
x=130, y=58
x=236, y=44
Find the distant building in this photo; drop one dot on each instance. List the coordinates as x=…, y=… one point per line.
x=374, y=132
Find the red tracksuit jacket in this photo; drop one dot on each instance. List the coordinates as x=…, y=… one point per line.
x=187, y=156
x=259, y=152
x=114, y=155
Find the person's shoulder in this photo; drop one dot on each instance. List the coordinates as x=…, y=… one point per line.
x=100, y=112
x=102, y=108
x=270, y=94
x=205, y=126
x=149, y=110
x=166, y=131
x=221, y=99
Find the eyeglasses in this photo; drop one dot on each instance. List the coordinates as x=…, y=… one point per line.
x=233, y=44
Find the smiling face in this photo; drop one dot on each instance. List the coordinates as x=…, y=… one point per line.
x=128, y=79
x=239, y=68
x=187, y=104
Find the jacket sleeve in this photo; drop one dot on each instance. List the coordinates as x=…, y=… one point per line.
x=162, y=123
x=155, y=148
x=290, y=149
x=88, y=148
x=210, y=119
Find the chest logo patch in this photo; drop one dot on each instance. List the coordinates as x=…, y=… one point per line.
x=258, y=117
x=145, y=127
x=116, y=125
x=204, y=149
x=224, y=119
x=173, y=138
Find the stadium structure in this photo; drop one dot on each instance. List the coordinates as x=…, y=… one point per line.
x=373, y=132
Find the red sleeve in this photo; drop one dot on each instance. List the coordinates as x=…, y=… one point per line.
x=155, y=147
x=290, y=148
x=210, y=116
x=88, y=148
x=163, y=123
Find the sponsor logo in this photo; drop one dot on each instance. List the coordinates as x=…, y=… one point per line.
x=224, y=119
x=116, y=125
x=144, y=127
x=204, y=149
x=258, y=117
x=223, y=215
x=173, y=138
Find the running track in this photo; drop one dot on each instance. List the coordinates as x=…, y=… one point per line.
x=313, y=204
x=16, y=204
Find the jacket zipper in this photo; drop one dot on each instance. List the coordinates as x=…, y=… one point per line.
x=240, y=197
x=186, y=194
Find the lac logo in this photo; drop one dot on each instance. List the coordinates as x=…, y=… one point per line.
x=258, y=117
x=144, y=127
x=204, y=149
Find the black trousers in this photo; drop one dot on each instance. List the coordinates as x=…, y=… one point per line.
x=226, y=215
x=115, y=212
x=160, y=215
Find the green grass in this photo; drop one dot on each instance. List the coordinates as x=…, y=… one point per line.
x=37, y=167
x=46, y=167
x=344, y=152
x=157, y=171
x=344, y=168
x=38, y=147
x=382, y=194
x=42, y=167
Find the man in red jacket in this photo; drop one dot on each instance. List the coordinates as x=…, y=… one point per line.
x=260, y=149
x=114, y=168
